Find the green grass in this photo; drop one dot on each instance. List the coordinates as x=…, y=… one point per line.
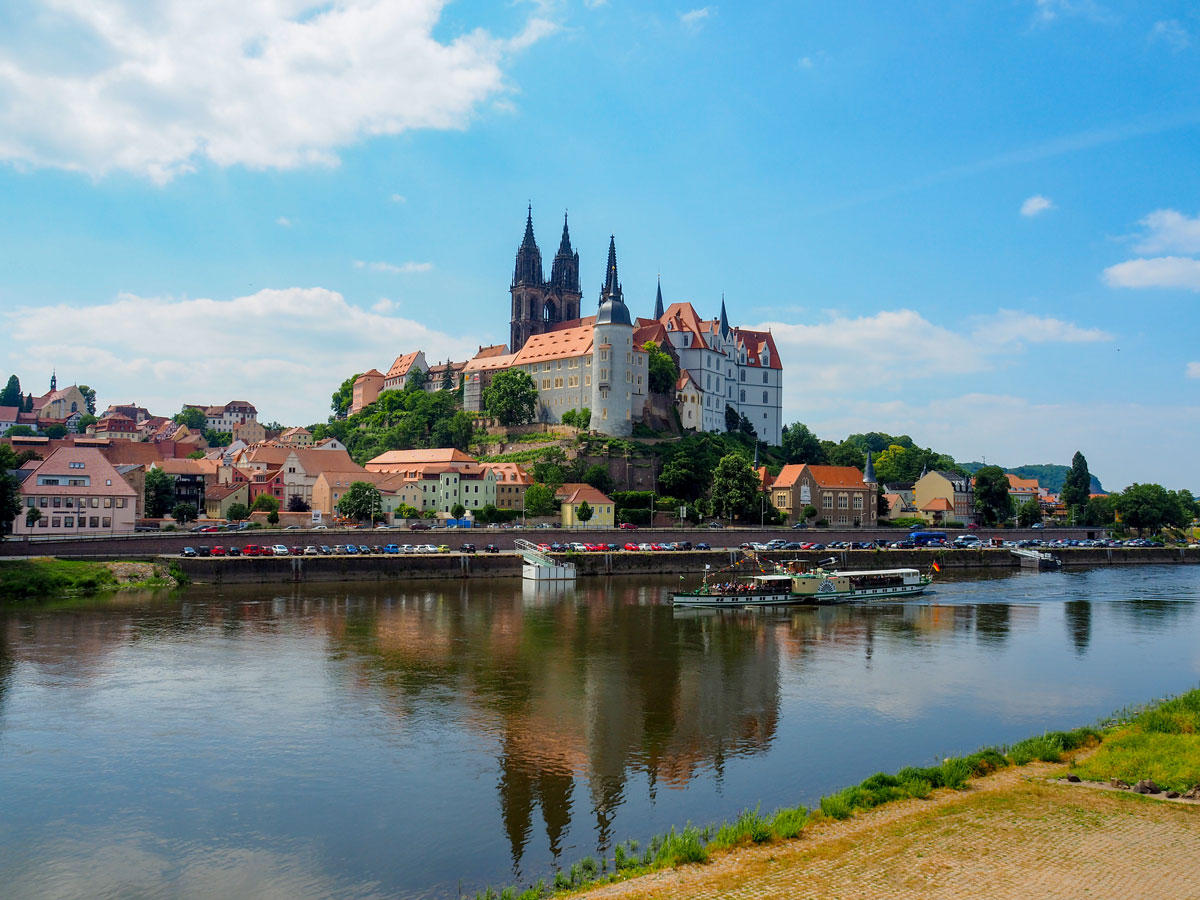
x=1161, y=743
x=43, y=578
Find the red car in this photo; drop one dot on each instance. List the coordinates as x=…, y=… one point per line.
x=631, y=546
x=218, y=551
x=627, y=526
x=252, y=550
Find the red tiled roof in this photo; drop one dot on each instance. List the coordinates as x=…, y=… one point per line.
x=578, y=493
x=562, y=344
x=824, y=476
x=938, y=504
x=402, y=364
x=682, y=317
x=96, y=468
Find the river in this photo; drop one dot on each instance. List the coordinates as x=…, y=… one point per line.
x=426, y=739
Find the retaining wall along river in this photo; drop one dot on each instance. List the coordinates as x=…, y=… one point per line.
x=272, y=569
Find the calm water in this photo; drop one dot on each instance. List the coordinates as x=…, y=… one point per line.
x=426, y=739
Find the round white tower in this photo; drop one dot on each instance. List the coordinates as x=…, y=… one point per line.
x=612, y=357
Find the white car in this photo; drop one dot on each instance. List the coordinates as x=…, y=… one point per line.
x=279, y=550
x=311, y=551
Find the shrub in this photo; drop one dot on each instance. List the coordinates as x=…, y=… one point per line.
x=787, y=823
x=836, y=807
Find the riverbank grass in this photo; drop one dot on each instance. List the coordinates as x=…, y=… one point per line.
x=1161, y=743
x=45, y=578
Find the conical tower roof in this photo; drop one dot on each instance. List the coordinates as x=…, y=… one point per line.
x=869, y=474
x=658, y=304
x=528, y=269
x=724, y=317
x=612, y=302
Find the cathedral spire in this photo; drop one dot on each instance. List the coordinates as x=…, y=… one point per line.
x=724, y=317
x=565, y=245
x=658, y=304
x=528, y=269
x=564, y=271
x=612, y=286
x=869, y=474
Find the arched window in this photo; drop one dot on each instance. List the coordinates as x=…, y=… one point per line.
x=548, y=311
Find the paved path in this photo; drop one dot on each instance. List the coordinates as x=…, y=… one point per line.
x=1011, y=835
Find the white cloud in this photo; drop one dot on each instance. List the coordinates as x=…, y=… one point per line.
x=1047, y=11
x=284, y=350
x=398, y=198
x=158, y=89
x=1193, y=370
x=1160, y=272
x=392, y=269
x=876, y=353
x=1169, y=231
x=1011, y=326
x=1172, y=33
x=1036, y=204
x=693, y=20
x=284, y=221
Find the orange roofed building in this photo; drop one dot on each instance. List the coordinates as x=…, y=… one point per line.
x=76, y=491
x=843, y=495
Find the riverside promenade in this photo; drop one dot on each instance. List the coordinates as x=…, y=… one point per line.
x=1015, y=834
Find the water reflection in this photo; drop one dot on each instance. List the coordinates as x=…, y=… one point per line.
x=422, y=740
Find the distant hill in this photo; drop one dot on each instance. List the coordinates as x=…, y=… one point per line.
x=1048, y=475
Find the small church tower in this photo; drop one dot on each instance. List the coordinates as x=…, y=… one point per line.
x=612, y=357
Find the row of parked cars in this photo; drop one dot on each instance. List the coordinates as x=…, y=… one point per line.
x=326, y=550
x=631, y=546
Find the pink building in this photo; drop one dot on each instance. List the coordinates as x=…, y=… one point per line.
x=76, y=491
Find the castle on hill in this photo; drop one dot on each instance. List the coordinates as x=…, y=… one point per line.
x=597, y=361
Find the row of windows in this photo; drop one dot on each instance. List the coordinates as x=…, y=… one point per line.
x=766, y=397
x=76, y=522
x=69, y=502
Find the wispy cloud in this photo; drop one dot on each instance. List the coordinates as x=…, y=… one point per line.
x=1193, y=370
x=1011, y=326
x=1159, y=272
x=693, y=20
x=406, y=268
x=261, y=85
x=1169, y=231
x=1035, y=205
x=1172, y=33
x=398, y=198
x=284, y=222
x=1047, y=11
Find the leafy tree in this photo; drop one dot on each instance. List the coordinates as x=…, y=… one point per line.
x=10, y=488
x=735, y=487
x=265, y=503
x=55, y=431
x=584, y=419
x=218, y=438
x=540, y=500
x=361, y=502
x=802, y=446
x=599, y=478
x=191, y=416
x=511, y=398
x=1099, y=511
x=992, y=501
x=745, y=426
x=683, y=476
x=28, y=403
x=196, y=454
x=11, y=395
x=1077, y=486
x=296, y=504
x=89, y=398
x=447, y=378
x=19, y=431
x=273, y=517
x=85, y=421
x=455, y=431
x=847, y=453
x=732, y=419
x=238, y=512
x=583, y=512
x=411, y=512
x=416, y=380
x=808, y=512
x=662, y=370
x=159, y=492
x=32, y=516
x=343, y=397
x=1029, y=513
x=458, y=510
x=183, y=513
x=1151, y=506
x=551, y=467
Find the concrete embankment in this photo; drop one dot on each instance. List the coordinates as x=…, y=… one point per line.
x=498, y=565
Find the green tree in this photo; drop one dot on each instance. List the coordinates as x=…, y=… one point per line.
x=583, y=512
x=416, y=380
x=447, y=378
x=10, y=488
x=1029, y=513
x=551, y=467
x=599, y=478
x=732, y=419
x=1099, y=511
x=511, y=398
x=238, y=512
x=85, y=421
x=183, y=513
x=735, y=487
x=662, y=370
x=55, y=432
x=273, y=517
x=683, y=476
x=361, y=502
x=455, y=431
x=28, y=403
x=32, y=516
x=89, y=398
x=340, y=402
x=159, y=492
x=847, y=453
x=1077, y=486
x=265, y=503
x=801, y=446
x=992, y=501
x=11, y=395
x=191, y=416
x=540, y=500
x=196, y=454
x=457, y=511
x=218, y=438
x=1150, y=507
x=808, y=513
x=19, y=431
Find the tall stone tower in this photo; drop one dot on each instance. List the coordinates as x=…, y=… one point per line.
x=538, y=304
x=612, y=357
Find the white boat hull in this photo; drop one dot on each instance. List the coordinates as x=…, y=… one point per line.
x=775, y=599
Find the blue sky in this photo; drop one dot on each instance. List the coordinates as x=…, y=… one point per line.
x=975, y=223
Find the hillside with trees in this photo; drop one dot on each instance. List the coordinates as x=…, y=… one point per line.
x=1049, y=475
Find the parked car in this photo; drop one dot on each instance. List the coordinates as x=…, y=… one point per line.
x=714, y=524
x=253, y=550
x=627, y=526
x=467, y=548
x=310, y=550
x=364, y=549
x=631, y=546
x=325, y=550
x=279, y=550
x=391, y=548
x=203, y=551
x=233, y=551
x=217, y=550
x=800, y=525
x=188, y=551
x=491, y=548
x=702, y=545
x=419, y=526
x=292, y=528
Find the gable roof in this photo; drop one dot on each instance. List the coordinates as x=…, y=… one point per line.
x=9, y=413
x=755, y=343
x=938, y=504
x=492, y=350
x=824, y=476
x=400, y=459
x=97, y=469
x=574, y=492
x=568, y=342
x=402, y=364
x=682, y=317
